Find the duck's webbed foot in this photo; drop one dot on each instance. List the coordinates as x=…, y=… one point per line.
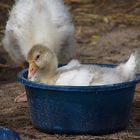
x=21, y=98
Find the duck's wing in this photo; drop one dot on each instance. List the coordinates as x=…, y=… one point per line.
x=59, y=13
x=61, y=18
x=12, y=46
x=73, y=63
x=29, y=24
x=17, y=33
x=74, y=76
x=105, y=75
x=45, y=22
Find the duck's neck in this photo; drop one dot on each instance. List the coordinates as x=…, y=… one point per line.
x=47, y=75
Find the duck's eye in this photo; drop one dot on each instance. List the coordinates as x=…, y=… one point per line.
x=37, y=57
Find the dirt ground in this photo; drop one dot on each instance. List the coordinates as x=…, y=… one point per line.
x=107, y=31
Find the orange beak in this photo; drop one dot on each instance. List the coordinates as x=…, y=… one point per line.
x=32, y=70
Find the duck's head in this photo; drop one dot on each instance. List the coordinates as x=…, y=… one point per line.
x=41, y=59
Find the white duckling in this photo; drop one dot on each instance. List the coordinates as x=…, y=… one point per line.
x=43, y=68
x=45, y=22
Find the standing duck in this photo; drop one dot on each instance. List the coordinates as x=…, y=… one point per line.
x=44, y=22
x=43, y=68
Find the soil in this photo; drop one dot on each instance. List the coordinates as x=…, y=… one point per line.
x=107, y=31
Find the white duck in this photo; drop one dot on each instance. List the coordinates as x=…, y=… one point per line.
x=43, y=68
x=45, y=22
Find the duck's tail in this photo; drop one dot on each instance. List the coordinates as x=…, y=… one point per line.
x=137, y=57
x=129, y=69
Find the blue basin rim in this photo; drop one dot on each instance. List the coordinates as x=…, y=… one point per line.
x=26, y=82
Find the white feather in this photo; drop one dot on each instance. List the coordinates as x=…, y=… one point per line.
x=71, y=64
x=80, y=77
x=128, y=70
x=85, y=75
x=45, y=22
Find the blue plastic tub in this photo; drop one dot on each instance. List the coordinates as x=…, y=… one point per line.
x=7, y=134
x=80, y=109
